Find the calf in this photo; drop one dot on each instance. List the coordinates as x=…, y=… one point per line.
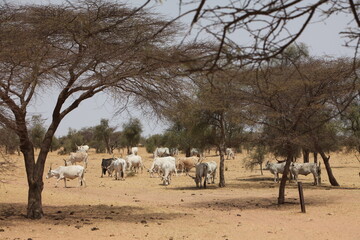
x=105, y=163
x=305, y=169
x=70, y=172
x=275, y=168
x=77, y=157
x=119, y=166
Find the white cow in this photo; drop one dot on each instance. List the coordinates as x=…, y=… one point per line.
x=134, y=150
x=229, y=153
x=211, y=171
x=195, y=152
x=119, y=166
x=156, y=166
x=201, y=170
x=82, y=148
x=168, y=168
x=161, y=152
x=275, y=168
x=134, y=163
x=305, y=169
x=174, y=152
x=70, y=172
x=77, y=157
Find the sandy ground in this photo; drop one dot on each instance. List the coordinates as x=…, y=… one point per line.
x=142, y=208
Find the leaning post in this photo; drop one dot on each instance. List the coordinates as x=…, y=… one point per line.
x=301, y=195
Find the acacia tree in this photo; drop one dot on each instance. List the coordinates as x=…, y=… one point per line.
x=207, y=117
x=76, y=51
x=295, y=101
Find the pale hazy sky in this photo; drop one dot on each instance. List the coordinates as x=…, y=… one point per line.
x=322, y=38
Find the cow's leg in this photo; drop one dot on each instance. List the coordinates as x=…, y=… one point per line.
x=123, y=175
x=57, y=182
x=176, y=171
x=205, y=182
x=296, y=177
x=315, y=179
x=65, y=182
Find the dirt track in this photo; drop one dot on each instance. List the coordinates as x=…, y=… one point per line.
x=142, y=208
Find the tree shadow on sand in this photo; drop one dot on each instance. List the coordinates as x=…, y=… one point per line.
x=249, y=203
x=84, y=214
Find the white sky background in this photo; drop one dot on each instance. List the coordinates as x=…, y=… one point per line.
x=322, y=38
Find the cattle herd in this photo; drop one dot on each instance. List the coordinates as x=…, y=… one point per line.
x=165, y=163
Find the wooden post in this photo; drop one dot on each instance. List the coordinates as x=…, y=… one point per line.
x=301, y=195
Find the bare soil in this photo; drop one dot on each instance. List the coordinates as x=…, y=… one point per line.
x=142, y=208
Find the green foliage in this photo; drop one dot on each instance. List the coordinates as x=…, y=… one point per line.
x=55, y=144
x=256, y=157
x=37, y=130
x=102, y=136
x=153, y=142
x=351, y=127
x=70, y=142
x=9, y=140
x=132, y=132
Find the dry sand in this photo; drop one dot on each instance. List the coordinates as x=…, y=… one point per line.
x=142, y=208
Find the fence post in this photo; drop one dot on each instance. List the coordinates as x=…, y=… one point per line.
x=301, y=195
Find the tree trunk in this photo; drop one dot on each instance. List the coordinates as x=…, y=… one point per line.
x=222, y=167
x=331, y=176
x=315, y=157
x=306, y=154
x=281, y=197
x=222, y=150
x=261, y=169
x=187, y=152
x=34, y=208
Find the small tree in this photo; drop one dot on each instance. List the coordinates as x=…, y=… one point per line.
x=102, y=135
x=132, y=132
x=256, y=157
